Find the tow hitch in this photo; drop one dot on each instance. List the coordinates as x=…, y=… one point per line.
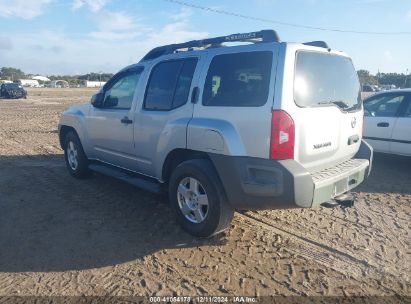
x=345, y=200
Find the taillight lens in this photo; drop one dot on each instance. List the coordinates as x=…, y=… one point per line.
x=363, y=121
x=282, y=136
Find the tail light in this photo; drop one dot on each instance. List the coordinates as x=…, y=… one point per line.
x=282, y=136
x=363, y=121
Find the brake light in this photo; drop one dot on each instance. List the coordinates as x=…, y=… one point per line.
x=282, y=136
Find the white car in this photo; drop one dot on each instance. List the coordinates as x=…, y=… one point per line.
x=387, y=122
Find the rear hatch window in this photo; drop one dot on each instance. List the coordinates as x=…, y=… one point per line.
x=326, y=80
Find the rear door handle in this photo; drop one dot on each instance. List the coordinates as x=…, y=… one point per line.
x=383, y=124
x=126, y=120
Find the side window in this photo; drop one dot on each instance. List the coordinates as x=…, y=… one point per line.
x=184, y=82
x=120, y=94
x=169, y=84
x=238, y=80
x=383, y=106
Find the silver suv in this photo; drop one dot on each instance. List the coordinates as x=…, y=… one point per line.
x=260, y=125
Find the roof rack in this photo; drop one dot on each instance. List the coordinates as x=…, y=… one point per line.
x=255, y=37
x=321, y=44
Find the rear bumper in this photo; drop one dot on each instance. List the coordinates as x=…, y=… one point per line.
x=255, y=183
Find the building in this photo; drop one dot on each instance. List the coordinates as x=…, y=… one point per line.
x=41, y=78
x=93, y=84
x=59, y=84
x=5, y=81
x=28, y=83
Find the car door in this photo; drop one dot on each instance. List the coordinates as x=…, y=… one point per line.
x=163, y=117
x=380, y=115
x=401, y=135
x=110, y=126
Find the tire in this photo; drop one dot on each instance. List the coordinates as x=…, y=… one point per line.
x=76, y=160
x=188, y=184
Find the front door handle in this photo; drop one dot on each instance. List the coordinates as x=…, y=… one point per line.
x=383, y=124
x=126, y=120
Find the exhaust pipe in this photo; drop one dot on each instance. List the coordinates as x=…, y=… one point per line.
x=330, y=204
x=345, y=200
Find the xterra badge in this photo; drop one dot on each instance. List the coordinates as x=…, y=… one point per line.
x=322, y=145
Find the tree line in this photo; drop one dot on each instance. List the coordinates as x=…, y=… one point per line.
x=399, y=80
x=10, y=73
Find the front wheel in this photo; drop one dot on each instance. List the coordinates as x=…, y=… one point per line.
x=76, y=160
x=198, y=199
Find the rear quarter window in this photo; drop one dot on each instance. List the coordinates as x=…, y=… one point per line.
x=238, y=80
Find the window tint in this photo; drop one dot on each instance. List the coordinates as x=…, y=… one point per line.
x=120, y=94
x=383, y=106
x=238, y=80
x=184, y=82
x=322, y=79
x=160, y=89
x=169, y=84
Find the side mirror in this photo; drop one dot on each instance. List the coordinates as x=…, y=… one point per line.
x=111, y=102
x=97, y=100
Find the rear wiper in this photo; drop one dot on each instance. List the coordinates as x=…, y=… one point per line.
x=338, y=103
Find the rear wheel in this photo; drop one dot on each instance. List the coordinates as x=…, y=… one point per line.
x=198, y=199
x=76, y=160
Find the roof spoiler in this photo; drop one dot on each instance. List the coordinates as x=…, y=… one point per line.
x=321, y=44
x=255, y=37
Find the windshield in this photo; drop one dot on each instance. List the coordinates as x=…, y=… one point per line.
x=12, y=85
x=325, y=79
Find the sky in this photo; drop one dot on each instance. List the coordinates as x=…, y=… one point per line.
x=80, y=36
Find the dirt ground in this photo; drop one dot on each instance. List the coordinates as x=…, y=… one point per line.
x=62, y=236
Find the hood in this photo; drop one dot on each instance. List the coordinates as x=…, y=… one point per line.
x=79, y=109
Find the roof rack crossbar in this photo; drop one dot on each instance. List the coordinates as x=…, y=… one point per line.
x=255, y=37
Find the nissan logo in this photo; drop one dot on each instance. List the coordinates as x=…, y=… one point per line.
x=353, y=122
